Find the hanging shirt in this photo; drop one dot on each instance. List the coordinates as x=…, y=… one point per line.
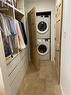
x=20, y=37
x=6, y=35
x=23, y=32
x=4, y=25
x=7, y=48
x=12, y=27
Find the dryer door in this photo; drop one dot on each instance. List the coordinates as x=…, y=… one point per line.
x=42, y=49
x=42, y=26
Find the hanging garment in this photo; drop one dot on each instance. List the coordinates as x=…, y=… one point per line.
x=6, y=36
x=4, y=25
x=7, y=48
x=15, y=44
x=12, y=27
x=21, y=43
x=23, y=32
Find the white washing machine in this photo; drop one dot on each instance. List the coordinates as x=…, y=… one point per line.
x=43, y=26
x=43, y=48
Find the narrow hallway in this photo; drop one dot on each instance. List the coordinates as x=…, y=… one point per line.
x=42, y=82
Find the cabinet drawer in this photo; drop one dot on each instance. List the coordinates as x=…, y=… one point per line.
x=18, y=79
x=13, y=64
x=16, y=61
x=16, y=70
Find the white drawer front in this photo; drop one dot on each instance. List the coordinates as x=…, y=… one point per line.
x=16, y=70
x=13, y=64
x=17, y=81
x=16, y=61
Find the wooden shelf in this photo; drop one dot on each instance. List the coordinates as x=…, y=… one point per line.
x=18, y=14
x=9, y=5
x=10, y=9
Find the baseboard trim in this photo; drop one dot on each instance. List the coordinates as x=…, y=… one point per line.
x=61, y=89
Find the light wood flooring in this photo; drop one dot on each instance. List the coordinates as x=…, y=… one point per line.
x=42, y=82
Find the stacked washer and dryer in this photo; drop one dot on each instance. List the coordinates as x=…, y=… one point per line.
x=43, y=21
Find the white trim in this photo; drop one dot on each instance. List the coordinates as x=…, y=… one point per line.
x=61, y=89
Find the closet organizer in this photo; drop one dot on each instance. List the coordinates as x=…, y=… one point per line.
x=13, y=47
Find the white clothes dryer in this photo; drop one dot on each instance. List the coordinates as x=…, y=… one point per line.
x=43, y=26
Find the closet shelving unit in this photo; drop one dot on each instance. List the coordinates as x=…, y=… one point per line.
x=12, y=70
x=10, y=8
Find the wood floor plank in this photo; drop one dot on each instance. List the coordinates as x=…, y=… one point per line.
x=42, y=82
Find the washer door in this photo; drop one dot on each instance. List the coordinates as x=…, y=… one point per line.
x=42, y=27
x=42, y=49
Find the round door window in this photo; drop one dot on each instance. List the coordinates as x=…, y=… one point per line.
x=42, y=49
x=42, y=26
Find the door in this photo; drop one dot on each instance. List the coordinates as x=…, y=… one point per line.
x=33, y=38
x=59, y=11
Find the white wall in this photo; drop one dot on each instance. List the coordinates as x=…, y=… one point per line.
x=2, y=89
x=66, y=50
x=44, y=5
